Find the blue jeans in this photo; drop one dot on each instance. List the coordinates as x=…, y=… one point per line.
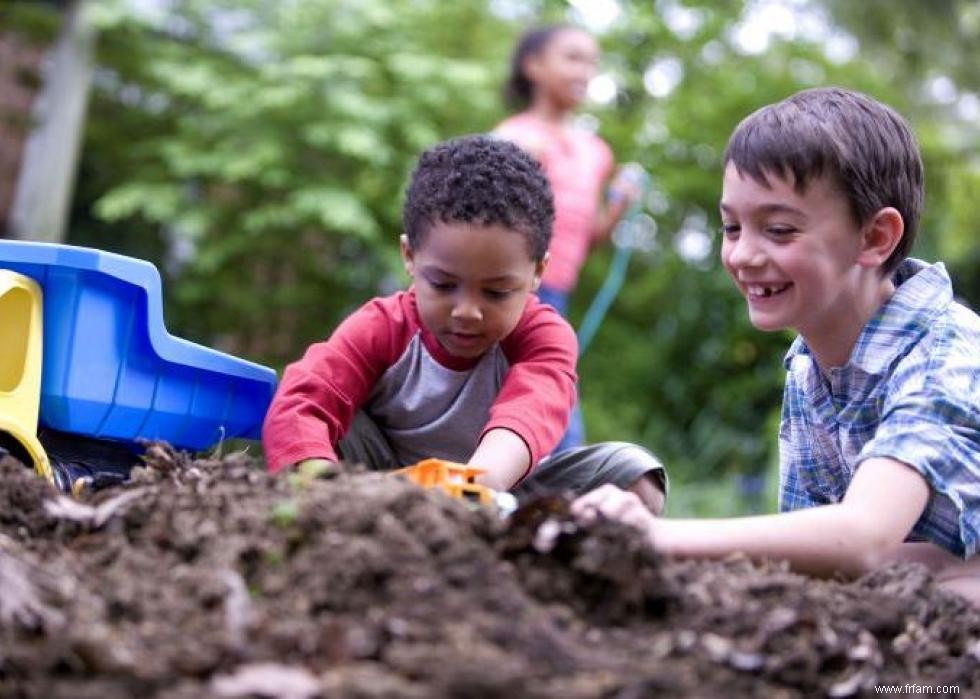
x=575, y=432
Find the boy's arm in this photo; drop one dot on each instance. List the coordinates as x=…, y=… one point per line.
x=318, y=395
x=531, y=411
x=507, y=453
x=882, y=504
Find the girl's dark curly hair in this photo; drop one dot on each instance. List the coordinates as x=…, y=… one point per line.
x=483, y=180
x=517, y=89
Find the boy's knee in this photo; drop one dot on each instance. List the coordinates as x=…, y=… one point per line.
x=651, y=492
x=632, y=465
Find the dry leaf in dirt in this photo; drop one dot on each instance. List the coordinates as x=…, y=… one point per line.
x=238, y=612
x=20, y=601
x=272, y=680
x=65, y=508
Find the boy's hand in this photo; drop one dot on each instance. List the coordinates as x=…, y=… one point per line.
x=308, y=470
x=314, y=466
x=610, y=502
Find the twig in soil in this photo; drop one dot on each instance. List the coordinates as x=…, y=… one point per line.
x=65, y=508
x=218, y=450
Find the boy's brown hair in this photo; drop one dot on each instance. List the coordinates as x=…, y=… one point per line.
x=866, y=149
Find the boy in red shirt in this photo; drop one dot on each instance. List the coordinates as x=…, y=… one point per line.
x=466, y=365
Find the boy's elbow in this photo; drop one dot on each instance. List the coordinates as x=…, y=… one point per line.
x=869, y=548
x=876, y=554
x=865, y=561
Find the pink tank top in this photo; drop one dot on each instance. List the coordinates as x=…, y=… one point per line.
x=577, y=163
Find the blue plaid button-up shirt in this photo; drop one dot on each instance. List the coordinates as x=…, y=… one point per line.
x=910, y=392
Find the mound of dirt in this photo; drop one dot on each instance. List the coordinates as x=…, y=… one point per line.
x=212, y=578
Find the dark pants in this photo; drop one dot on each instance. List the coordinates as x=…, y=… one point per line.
x=577, y=470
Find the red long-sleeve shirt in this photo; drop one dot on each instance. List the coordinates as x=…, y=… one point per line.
x=428, y=403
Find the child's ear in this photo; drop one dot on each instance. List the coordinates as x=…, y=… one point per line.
x=880, y=236
x=408, y=257
x=539, y=269
x=531, y=67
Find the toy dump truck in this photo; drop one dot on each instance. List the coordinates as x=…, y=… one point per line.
x=84, y=352
x=458, y=481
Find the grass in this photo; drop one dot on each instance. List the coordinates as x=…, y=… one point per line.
x=724, y=496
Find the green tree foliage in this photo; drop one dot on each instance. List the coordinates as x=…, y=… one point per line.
x=677, y=365
x=931, y=50
x=273, y=139
x=258, y=151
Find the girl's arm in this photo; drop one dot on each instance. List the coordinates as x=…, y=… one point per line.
x=622, y=192
x=881, y=506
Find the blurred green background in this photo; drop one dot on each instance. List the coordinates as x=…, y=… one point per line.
x=257, y=151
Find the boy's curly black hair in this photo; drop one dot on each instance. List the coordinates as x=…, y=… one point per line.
x=483, y=180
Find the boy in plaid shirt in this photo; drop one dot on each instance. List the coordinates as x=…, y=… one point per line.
x=880, y=432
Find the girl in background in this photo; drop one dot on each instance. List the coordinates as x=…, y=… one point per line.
x=549, y=74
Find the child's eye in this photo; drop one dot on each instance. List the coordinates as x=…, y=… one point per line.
x=780, y=231
x=496, y=294
x=442, y=286
x=730, y=230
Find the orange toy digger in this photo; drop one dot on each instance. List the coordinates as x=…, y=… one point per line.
x=458, y=481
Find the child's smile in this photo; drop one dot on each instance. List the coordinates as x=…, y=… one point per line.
x=766, y=291
x=794, y=256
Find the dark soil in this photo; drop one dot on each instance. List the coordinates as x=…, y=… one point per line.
x=211, y=578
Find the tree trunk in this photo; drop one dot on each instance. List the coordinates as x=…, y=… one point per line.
x=44, y=188
x=20, y=73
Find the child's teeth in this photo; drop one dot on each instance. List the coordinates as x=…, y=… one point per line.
x=766, y=291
